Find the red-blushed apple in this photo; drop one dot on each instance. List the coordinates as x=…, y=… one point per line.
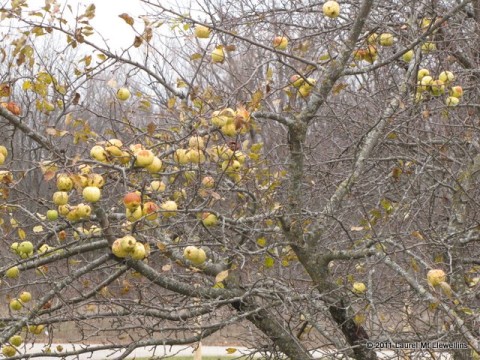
x=135, y=148
x=456, y=91
x=169, y=208
x=280, y=42
x=91, y=194
x=331, y=9
x=202, y=32
x=143, y=158
x=60, y=198
x=296, y=81
x=123, y=94
x=150, y=210
x=218, y=55
x=208, y=182
x=132, y=200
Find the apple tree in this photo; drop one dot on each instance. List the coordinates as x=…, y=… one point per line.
x=297, y=176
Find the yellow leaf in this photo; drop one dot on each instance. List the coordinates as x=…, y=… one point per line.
x=418, y=235
x=27, y=85
x=171, y=102
x=195, y=56
x=21, y=234
x=230, y=350
x=221, y=276
x=38, y=228
x=262, y=242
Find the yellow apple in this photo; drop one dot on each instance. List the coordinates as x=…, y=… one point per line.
x=229, y=130
x=170, y=208
x=117, y=249
x=91, y=194
x=408, y=56
x=25, y=247
x=331, y=9
x=196, y=142
x=447, y=77
x=371, y=54
x=139, y=251
x=452, y=101
x=8, y=351
x=155, y=166
x=25, y=296
x=196, y=156
x=422, y=73
x=209, y=219
x=436, y=276
x=128, y=243
x=428, y=47
x=202, y=32
x=64, y=183
x=12, y=272
x=218, y=55
x=386, y=39
x=280, y=42
x=98, y=153
x=60, y=198
x=372, y=38
x=195, y=255
x=359, y=288
x=437, y=87
x=123, y=94
x=15, y=340
x=157, y=185
x=84, y=211
x=3, y=151
x=180, y=156
x=15, y=305
x=95, y=180
x=134, y=214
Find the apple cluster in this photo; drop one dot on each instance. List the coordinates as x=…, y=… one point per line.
x=303, y=85
x=437, y=87
x=128, y=246
x=230, y=122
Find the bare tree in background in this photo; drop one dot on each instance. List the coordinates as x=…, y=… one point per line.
x=297, y=180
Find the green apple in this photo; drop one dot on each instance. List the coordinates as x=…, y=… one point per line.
x=52, y=215
x=408, y=56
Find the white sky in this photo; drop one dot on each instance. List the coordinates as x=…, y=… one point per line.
x=106, y=22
